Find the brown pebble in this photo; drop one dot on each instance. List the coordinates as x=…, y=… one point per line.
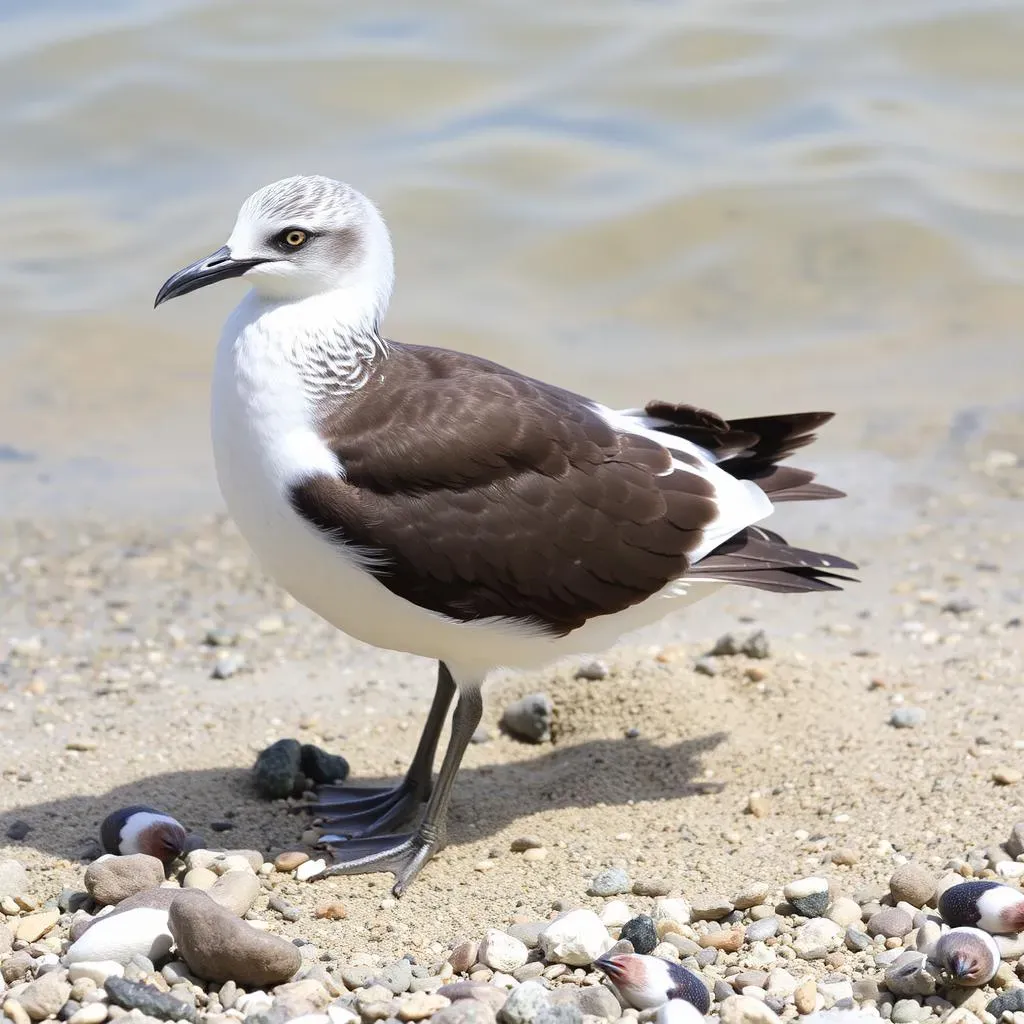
x=755, y=674
x=290, y=860
x=1006, y=776
x=331, y=911
x=729, y=941
x=758, y=805
x=845, y=856
x=463, y=956
x=524, y=843
x=805, y=996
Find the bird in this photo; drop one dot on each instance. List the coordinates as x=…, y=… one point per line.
x=433, y=502
x=967, y=956
x=992, y=906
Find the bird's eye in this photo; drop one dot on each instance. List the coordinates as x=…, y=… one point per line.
x=294, y=237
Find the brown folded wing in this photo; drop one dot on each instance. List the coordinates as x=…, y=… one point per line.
x=483, y=493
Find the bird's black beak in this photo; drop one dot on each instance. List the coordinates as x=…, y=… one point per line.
x=609, y=967
x=218, y=266
x=960, y=965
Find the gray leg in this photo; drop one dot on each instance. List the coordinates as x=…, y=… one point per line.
x=356, y=811
x=405, y=854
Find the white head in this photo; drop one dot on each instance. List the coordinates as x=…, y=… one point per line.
x=300, y=237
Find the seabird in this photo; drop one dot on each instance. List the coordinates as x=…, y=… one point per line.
x=433, y=502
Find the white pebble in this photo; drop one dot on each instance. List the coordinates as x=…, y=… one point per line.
x=119, y=936
x=96, y=970
x=615, y=913
x=309, y=869
x=90, y=1013
x=578, y=939
x=675, y=909
x=502, y=952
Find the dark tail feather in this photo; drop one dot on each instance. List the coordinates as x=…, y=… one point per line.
x=756, y=557
x=751, y=448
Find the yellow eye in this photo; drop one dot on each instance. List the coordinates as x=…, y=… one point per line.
x=295, y=238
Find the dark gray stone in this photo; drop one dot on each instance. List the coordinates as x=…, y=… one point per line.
x=1012, y=1000
x=321, y=767
x=133, y=995
x=641, y=932
x=277, y=769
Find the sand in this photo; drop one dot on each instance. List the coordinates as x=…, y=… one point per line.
x=105, y=628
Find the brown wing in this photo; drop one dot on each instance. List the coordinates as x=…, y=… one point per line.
x=484, y=493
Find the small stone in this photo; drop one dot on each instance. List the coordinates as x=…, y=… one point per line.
x=235, y=891
x=675, y=909
x=844, y=912
x=524, y=843
x=309, y=869
x=527, y=1004
x=577, y=938
x=726, y=646
x=277, y=771
x=890, y=922
x=502, y=952
x=321, y=767
x=464, y=1011
x=760, y=931
x=97, y=971
x=133, y=995
x=91, y=1013
x=711, y=909
x=808, y=896
x=752, y=895
x=907, y=717
x=1011, y=1001
x=290, y=860
x=756, y=645
x=397, y=976
x=1006, y=776
x=912, y=884
x=1015, y=844
x=18, y=830
x=910, y=975
x=641, y=933
x=856, y=941
x=463, y=956
x=805, y=996
x=220, y=947
x=592, y=670
x=220, y=637
x=706, y=666
x=530, y=718
x=725, y=939
x=906, y=1011
x=227, y=665
x=845, y=857
x=818, y=937
x=13, y=878
x=421, y=1005
x=199, y=878
x=33, y=927
x=333, y=911
x=137, y=925
x=110, y=880
x=43, y=997
x=610, y=882
x=746, y=1010
x=651, y=887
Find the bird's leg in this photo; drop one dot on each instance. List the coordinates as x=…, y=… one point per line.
x=355, y=811
x=405, y=854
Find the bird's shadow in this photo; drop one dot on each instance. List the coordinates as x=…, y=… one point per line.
x=487, y=797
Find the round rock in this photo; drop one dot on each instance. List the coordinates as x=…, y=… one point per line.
x=530, y=718
x=502, y=952
x=610, y=882
x=911, y=883
x=641, y=933
x=277, y=769
x=218, y=946
x=110, y=880
x=236, y=891
x=808, y=896
x=891, y=923
x=577, y=938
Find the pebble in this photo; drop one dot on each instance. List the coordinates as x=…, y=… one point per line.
x=321, y=767
x=1006, y=776
x=675, y=910
x=906, y=1011
x=309, y=869
x=277, y=769
x=759, y=931
x=43, y=997
x=746, y=1010
x=502, y=952
x=523, y=843
x=818, y=937
x=909, y=975
x=133, y=995
x=610, y=882
x=333, y=911
x=96, y=971
x=907, y=717
x=729, y=940
x=421, y=1005
x=710, y=909
x=235, y=891
x=1011, y=1001
x=593, y=671
x=913, y=884
x=705, y=666
x=228, y=664
x=615, y=914
x=91, y=1013
x=35, y=926
x=110, y=880
x=15, y=1012
x=199, y=878
x=641, y=933
x=808, y=896
x=463, y=956
x=220, y=947
x=136, y=925
x=396, y=977
x=578, y=938
x=752, y=895
x=530, y=718
x=844, y=912
x=890, y=922
x=290, y=860
x=526, y=1004
x=805, y=996
x=651, y=887
x=13, y=878
x=465, y=1011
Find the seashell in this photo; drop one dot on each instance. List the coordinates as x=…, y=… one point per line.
x=967, y=956
x=645, y=982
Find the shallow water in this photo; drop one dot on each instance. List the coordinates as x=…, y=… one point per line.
x=747, y=205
